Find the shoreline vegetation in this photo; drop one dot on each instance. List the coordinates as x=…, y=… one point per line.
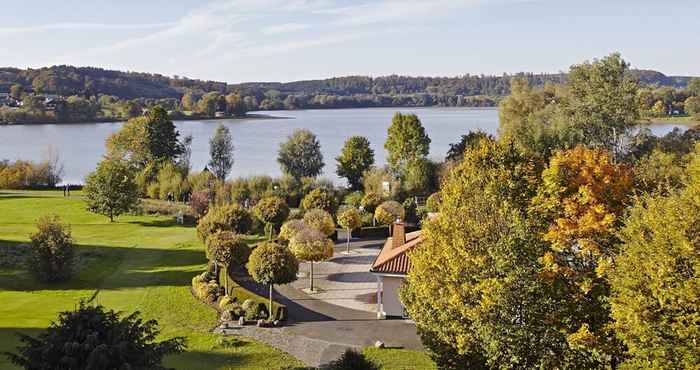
x=181, y=118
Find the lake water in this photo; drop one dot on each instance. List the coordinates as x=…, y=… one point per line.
x=256, y=141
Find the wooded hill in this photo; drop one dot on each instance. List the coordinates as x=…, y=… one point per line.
x=90, y=81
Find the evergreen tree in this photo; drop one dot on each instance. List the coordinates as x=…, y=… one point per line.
x=221, y=152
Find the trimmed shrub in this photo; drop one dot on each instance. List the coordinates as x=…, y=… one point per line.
x=389, y=211
x=320, y=220
x=321, y=199
x=291, y=228
x=52, y=253
x=272, y=211
x=224, y=248
x=433, y=202
x=230, y=217
x=250, y=307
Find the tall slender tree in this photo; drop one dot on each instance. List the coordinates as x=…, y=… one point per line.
x=221, y=152
x=355, y=158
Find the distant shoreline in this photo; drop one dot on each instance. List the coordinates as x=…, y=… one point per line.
x=113, y=120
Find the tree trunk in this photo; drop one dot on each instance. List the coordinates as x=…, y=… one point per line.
x=311, y=275
x=269, y=315
x=347, y=245
x=270, y=236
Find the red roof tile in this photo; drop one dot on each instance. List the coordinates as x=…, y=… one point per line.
x=395, y=260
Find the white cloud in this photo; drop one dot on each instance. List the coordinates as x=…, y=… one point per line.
x=285, y=28
x=77, y=26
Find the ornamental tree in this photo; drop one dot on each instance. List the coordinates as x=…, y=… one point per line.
x=271, y=211
x=226, y=249
x=272, y=263
x=321, y=199
x=110, y=190
x=320, y=220
x=311, y=245
x=350, y=219
x=300, y=156
x=371, y=201
x=94, y=338
x=230, y=217
x=388, y=212
x=291, y=228
x=355, y=158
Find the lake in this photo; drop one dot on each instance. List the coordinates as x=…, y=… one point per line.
x=256, y=140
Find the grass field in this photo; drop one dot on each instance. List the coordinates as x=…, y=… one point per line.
x=137, y=263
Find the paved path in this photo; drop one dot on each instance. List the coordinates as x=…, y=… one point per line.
x=321, y=327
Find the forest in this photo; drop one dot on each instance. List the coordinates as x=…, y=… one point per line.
x=86, y=94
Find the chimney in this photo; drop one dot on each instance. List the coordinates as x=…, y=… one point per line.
x=398, y=238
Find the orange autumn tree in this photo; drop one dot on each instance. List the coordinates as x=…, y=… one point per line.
x=581, y=200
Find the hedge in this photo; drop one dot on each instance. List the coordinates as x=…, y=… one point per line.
x=240, y=294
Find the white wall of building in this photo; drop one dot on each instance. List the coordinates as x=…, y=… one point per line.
x=390, y=304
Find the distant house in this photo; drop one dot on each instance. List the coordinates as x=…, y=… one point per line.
x=391, y=267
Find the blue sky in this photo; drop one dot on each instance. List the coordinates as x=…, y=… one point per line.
x=277, y=40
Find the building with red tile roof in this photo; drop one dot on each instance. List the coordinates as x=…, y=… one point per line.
x=391, y=267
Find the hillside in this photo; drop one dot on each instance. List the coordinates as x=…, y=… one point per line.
x=89, y=81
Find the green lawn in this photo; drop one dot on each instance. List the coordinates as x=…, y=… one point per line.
x=142, y=263
x=399, y=359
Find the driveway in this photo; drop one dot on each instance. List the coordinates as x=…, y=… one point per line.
x=343, y=315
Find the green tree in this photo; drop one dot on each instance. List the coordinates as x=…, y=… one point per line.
x=692, y=106
x=272, y=263
x=208, y=105
x=694, y=86
x=406, y=141
x=110, y=190
x=189, y=101
x=456, y=151
x=16, y=91
x=312, y=246
x=355, y=158
x=291, y=228
x=349, y=218
x=300, y=156
x=161, y=135
x=221, y=152
x=52, y=252
x=655, y=283
x=603, y=101
x=533, y=120
x=475, y=289
x=235, y=105
x=94, y=338
x=271, y=211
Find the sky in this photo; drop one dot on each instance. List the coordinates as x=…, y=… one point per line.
x=278, y=40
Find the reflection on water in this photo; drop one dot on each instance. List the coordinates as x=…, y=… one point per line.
x=256, y=140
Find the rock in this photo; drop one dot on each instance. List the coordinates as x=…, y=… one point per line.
x=261, y=323
x=276, y=323
x=379, y=344
x=241, y=321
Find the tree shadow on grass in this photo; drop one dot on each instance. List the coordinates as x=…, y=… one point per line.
x=169, y=222
x=101, y=267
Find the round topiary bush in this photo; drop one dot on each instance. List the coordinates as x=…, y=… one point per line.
x=389, y=211
x=370, y=201
x=320, y=199
x=230, y=217
x=291, y=228
x=227, y=249
x=272, y=211
x=52, y=250
x=320, y=220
